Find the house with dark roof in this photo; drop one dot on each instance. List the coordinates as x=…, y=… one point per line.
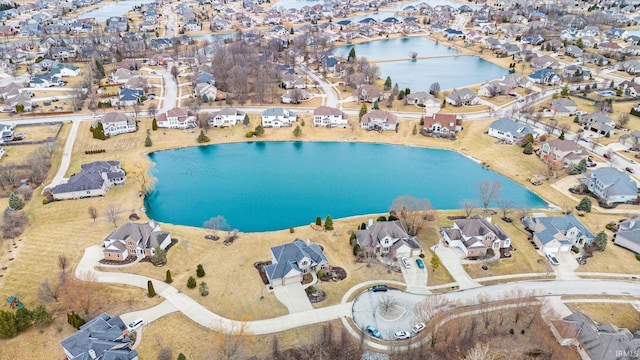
x=440, y=124
x=610, y=185
x=95, y=179
x=136, y=240
x=116, y=123
x=102, y=338
x=557, y=233
x=330, y=117
x=628, y=235
x=568, y=152
x=598, y=122
x=510, y=130
x=388, y=238
x=544, y=76
x=290, y=262
x=462, y=97
x=475, y=236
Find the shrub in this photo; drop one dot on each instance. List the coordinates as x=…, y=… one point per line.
x=151, y=292
x=41, y=317
x=191, y=282
x=291, y=230
x=204, y=289
x=575, y=249
x=320, y=274
x=202, y=138
x=638, y=257
x=421, y=256
x=249, y=134
x=181, y=357
x=381, y=218
x=75, y=320
x=328, y=223
x=45, y=201
x=200, y=271
x=168, y=278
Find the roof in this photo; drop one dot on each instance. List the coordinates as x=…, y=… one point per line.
x=145, y=235
x=550, y=228
x=379, y=114
x=619, y=183
x=328, y=111
x=278, y=112
x=103, y=336
x=513, y=127
x=83, y=181
x=478, y=226
x=564, y=145
x=377, y=231
x=287, y=257
x=114, y=117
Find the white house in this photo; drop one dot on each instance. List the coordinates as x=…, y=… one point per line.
x=326, y=116
x=611, y=186
x=177, y=118
x=379, y=120
x=557, y=233
x=277, y=117
x=116, y=123
x=289, y=262
x=95, y=179
x=136, y=240
x=510, y=130
x=226, y=117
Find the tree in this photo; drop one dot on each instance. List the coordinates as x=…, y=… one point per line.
x=489, y=191
x=168, y=278
x=435, y=262
x=159, y=257
x=413, y=212
x=623, y=120
x=23, y=319
x=600, y=240
x=259, y=131
x=584, y=205
x=154, y=124
x=352, y=55
x=318, y=221
x=8, y=327
x=63, y=262
x=565, y=91
x=99, y=69
x=204, y=289
x=200, y=271
x=93, y=212
x=434, y=89
x=75, y=320
x=480, y=351
x=202, y=138
x=528, y=149
x=505, y=206
x=47, y=292
x=174, y=72
x=151, y=292
x=468, y=206
x=181, y=357
x=297, y=131
x=582, y=166
x=191, y=282
x=147, y=141
x=41, y=317
x=246, y=120
x=15, y=202
x=216, y=224
x=387, y=83
x=363, y=111
x=561, y=137
x=328, y=223
x=387, y=303
x=112, y=213
x=527, y=139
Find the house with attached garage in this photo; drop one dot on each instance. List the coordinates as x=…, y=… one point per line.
x=544, y=76
x=95, y=179
x=462, y=97
x=368, y=93
x=177, y=118
x=611, y=186
x=563, y=107
x=326, y=116
x=510, y=130
x=379, y=120
x=278, y=117
x=226, y=117
x=441, y=124
x=553, y=234
x=135, y=240
x=290, y=262
x=116, y=123
x=424, y=99
x=628, y=235
x=387, y=238
x=476, y=235
x=631, y=140
x=568, y=152
x=600, y=123
x=104, y=337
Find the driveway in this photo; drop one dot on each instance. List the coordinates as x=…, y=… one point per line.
x=414, y=277
x=293, y=297
x=567, y=267
x=450, y=258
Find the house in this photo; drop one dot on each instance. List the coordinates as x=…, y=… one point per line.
x=135, y=240
x=387, y=238
x=424, y=99
x=368, y=93
x=120, y=76
x=476, y=235
x=129, y=97
x=326, y=116
x=103, y=337
x=116, y=123
x=463, y=97
x=510, y=130
x=295, y=96
x=206, y=92
x=545, y=61
x=628, y=235
x=611, y=186
x=6, y=133
x=568, y=152
x=630, y=88
x=441, y=124
x=563, y=107
x=226, y=117
x=177, y=118
x=278, y=117
x=290, y=262
x=544, y=76
x=95, y=179
x=379, y=120
x=593, y=340
x=631, y=140
x=557, y=233
x=599, y=122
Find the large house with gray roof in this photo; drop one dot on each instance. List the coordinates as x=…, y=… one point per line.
x=628, y=235
x=102, y=338
x=116, y=123
x=566, y=151
x=600, y=123
x=388, y=238
x=290, y=262
x=278, y=117
x=557, y=233
x=135, y=240
x=611, y=186
x=475, y=236
x=95, y=179
x=510, y=131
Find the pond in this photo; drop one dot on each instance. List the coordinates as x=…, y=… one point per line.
x=263, y=186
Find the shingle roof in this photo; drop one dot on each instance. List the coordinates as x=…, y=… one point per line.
x=288, y=255
x=83, y=181
x=101, y=334
x=619, y=183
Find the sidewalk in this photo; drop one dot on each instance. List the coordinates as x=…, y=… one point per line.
x=451, y=261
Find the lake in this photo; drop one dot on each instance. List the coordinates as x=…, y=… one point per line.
x=263, y=186
x=451, y=72
x=120, y=8
x=299, y=4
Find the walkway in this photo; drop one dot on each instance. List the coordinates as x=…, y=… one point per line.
x=450, y=259
x=66, y=156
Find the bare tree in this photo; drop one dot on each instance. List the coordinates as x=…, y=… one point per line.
x=623, y=120
x=468, y=206
x=38, y=163
x=9, y=175
x=47, y=292
x=413, y=212
x=63, y=262
x=112, y=213
x=426, y=309
x=93, y=212
x=152, y=109
x=489, y=191
x=480, y=351
x=387, y=303
x=216, y=224
x=523, y=212
x=174, y=72
x=505, y=205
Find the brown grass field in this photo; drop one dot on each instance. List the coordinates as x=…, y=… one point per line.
x=620, y=315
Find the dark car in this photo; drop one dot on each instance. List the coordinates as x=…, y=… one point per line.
x=606, y=156
x=629, y=169
x=377, y=288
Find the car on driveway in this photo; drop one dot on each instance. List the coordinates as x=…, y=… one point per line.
x=135, y=325
x=420, y=263
x=401, y=335
x=376, y=288
x=417, y=328
x=373, y=331
x=552, y=259
x=406, y=262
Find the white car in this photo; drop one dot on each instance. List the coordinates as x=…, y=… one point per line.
x=552, y=259
x=417, y=328
x=401, y=335
x=406, y=262
x=135, y=325
x=97, y=116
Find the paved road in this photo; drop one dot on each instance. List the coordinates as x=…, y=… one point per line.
x=331, y=99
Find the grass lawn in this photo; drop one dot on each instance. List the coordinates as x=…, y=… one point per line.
x=620, y=315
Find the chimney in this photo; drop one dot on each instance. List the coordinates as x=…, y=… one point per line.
x=92, y=353
x=369, y=223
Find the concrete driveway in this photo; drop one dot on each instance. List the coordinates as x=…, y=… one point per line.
x=293, y=297
x=414, y=277
x=450, y=259
x=567, y=267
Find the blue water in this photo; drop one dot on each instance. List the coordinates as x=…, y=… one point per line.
x=120, y=8
x=395, y=48
x=266, y=186
x=299, y=4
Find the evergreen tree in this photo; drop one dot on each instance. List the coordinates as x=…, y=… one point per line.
x=202, y=138
x=151, y=292
x=318, y=220
x=181, y=357
x=75, y=320
x=387, y=83
x=100, y=68
x=363, y=111
x=41, y=317
x=582, y=166
x=200, y=271
x=528, y=149
x=15, y=201
x=118, y=55
x=415, y=129
x=154, y=124
x=601, y=240
x=565, y=91
x=259, y=131
x=585, y=205
x=561, y=137
x=204, y=289
x=328, y=223
x=147, y=141
x=246, y=121
x=376, y=106
x=191, y=282
x=297, y=131
x=8, y=327
x=168, y=278
x=352, y=55
x=23, y=319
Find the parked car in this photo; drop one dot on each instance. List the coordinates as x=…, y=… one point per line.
x=135, y=325
x=417, y=328
x=420, y=263
x=373, y=331
x=54, y=99
x=629, y=169
x=97, y=116
x=401, y=335
x=552, y=259
x=606, y=156
x=406, y=262
x=376, y=288
x=592, y=164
